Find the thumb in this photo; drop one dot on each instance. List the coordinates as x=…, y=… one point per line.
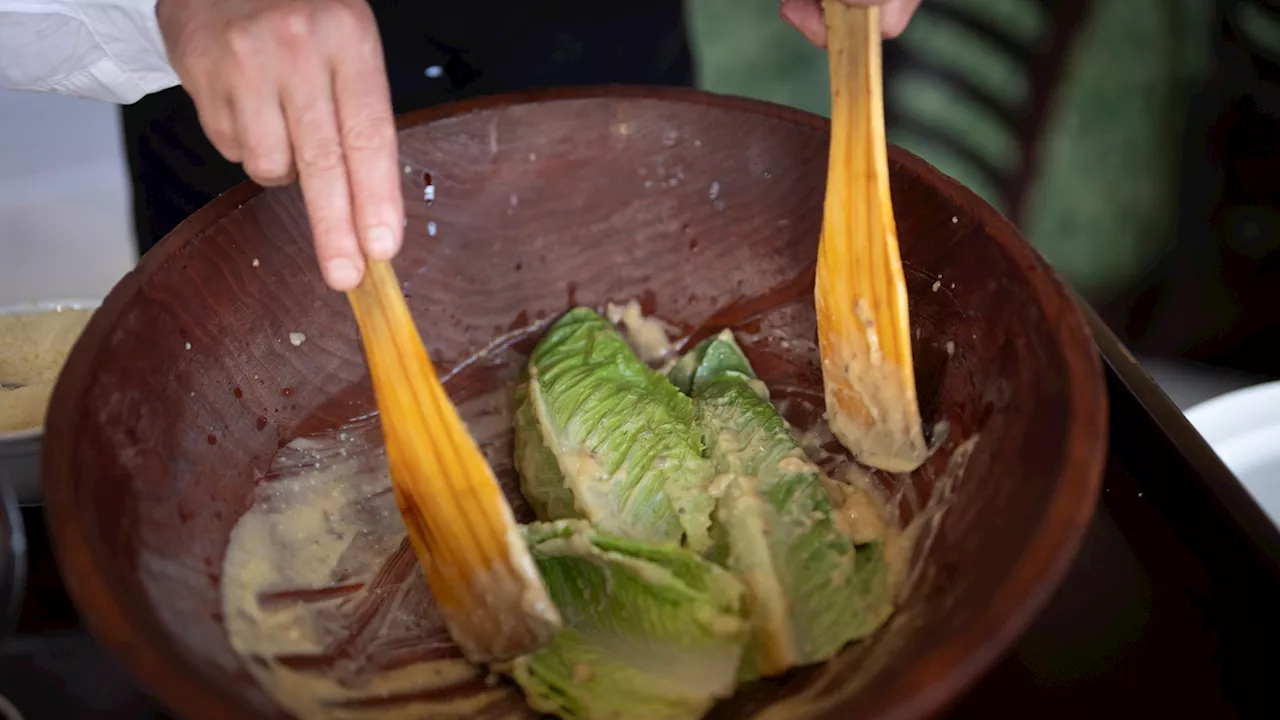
x=807, y=17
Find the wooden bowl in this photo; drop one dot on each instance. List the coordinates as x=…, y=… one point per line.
x=185, y=384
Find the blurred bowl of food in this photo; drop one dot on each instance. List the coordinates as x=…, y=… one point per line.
x=35, y=339
x=1243, y=428
x=214, y=476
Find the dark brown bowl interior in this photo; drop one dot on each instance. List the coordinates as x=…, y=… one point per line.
x=707, y=208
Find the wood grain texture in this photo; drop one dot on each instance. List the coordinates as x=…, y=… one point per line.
x=864, y=326
x=459, y=523
x=185, y=384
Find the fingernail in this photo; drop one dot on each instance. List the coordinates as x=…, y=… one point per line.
x=380, y=243
x=342, y=274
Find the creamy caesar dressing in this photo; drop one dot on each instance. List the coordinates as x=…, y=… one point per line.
x=323, y=598
x=648, y=336
x=860, y=516
x=871, y=399
x=719, y=483
x=795, y=464
x=873, y=412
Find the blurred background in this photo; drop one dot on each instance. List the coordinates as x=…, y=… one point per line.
x=1133, y=141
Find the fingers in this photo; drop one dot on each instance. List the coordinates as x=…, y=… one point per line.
x=265, y=150
x=299, y=88
x=219, y=125
x=368, y=135
x=312, y=121
x=807, y=16
x=895, y=15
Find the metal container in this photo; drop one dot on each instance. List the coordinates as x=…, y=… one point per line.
x=13, y=557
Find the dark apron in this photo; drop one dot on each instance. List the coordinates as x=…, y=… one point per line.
x=435, y=52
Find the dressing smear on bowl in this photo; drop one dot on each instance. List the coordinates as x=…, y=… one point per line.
x=696, y=544
x=322, y=595
x=33, y=348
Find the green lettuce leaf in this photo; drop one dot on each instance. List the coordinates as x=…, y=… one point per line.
x=712, y=358
x=541, y=481
x=812, y=590
x=628, y=456
x=651, y=632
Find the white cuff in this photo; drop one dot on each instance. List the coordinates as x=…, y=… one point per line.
x=108, y=50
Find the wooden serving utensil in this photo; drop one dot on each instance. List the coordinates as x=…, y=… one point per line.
x=861, y=293
x=461, y=527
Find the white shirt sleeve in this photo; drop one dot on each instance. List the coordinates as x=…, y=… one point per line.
x=107, y=50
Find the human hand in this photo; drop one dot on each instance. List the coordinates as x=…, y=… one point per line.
x=807, y=16
x=298, y=89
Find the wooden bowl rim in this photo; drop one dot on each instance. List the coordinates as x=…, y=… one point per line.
x=925, y=688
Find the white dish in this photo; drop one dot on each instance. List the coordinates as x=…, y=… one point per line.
x=1243, y=428
x=20, y=450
